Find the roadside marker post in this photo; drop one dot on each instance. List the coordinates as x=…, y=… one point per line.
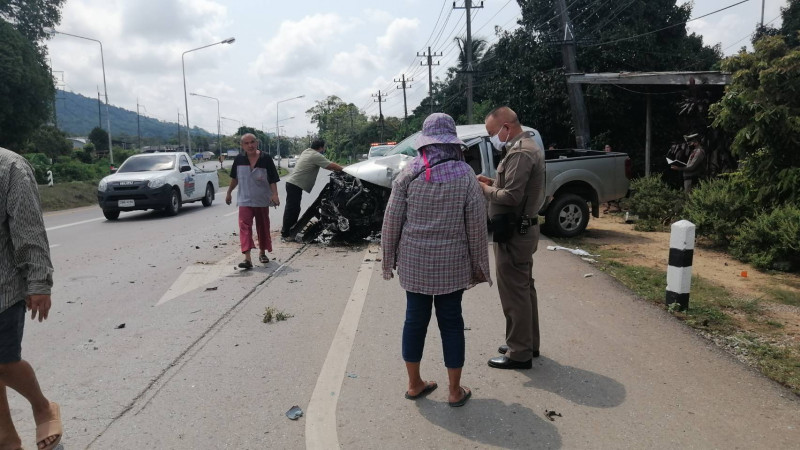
x=679, y=272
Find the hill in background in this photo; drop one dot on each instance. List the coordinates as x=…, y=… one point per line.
x=77, y=115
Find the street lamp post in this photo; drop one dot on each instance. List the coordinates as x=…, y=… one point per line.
x=103, y=65
x=277, y=127
x=219, y=141
x=230, y=40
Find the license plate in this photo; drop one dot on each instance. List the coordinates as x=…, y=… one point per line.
x=126, y=203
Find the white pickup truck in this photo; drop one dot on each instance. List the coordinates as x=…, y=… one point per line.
x=161, y=181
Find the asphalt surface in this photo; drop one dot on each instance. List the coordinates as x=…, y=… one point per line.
x=196, y=367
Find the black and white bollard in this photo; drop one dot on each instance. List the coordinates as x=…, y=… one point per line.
x=679, y=272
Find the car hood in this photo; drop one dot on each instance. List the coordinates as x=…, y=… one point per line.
x=136, y=176
x=380, y=171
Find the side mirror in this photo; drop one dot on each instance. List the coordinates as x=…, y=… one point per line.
x=185, y=169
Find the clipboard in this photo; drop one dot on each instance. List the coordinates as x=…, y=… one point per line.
x=675, y=162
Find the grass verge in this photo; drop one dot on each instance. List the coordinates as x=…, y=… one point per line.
x=68, y=195
x=743, y=327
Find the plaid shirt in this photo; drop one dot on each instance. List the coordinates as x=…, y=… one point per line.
x=25, y=266
x=435, y=235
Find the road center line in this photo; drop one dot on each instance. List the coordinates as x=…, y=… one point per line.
x=75, y=223
x=321, y=431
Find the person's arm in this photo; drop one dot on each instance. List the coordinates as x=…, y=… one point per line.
x=29, y=239
x=393, y=220
x=518, y=168
x=477, y=236
x=334, y=166
x=485, y=180
x=231, y=187
x=275, y=199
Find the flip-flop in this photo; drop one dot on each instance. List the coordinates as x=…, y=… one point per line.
x=245, y=265
x=429, y=387
x=51, y=428
x=263, y=259
x=467, y=395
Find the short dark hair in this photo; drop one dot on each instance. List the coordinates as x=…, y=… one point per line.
x=317, y=144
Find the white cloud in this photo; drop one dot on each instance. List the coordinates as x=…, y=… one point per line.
x=399, y=39
x=355, y=64
x=301, y=46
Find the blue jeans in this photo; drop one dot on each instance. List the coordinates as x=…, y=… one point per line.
x=451, y=326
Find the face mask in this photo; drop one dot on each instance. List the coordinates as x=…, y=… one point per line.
x=496, y=142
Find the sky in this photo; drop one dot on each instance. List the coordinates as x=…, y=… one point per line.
x=349, y=48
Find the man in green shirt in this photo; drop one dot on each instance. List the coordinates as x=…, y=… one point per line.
x=302, y=179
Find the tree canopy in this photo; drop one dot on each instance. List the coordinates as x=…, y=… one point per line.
x=99, y=137
x=31, y=17
x=26, y=88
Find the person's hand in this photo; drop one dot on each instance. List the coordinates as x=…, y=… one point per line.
x=485, y=180
x=673, y=167
x=485, y=188
x=275, y=200
x=38, y=303
x=228, y=198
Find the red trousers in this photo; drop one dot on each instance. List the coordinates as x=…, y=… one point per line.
x=246, y=215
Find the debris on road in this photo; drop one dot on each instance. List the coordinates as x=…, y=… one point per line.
x=197, y=247
x=351, y=375
x=551, y=414
x=120, y=326
x=574, y=251
x=271, y=313
x=294, y=413
x=591, y=260
x=214, y=288
x=588, y=275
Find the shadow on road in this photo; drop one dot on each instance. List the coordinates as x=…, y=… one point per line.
x=576, y=385
x=492, y=422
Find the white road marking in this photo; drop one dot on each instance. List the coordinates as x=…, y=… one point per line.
x=55, y=245
x=75, y=223
x=198, y=275
x=230, y=214
x=321, y=431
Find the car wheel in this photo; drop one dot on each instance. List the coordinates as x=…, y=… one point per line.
x=567, y=216
x=174, y=203
x=209, y=197
x=111, y=215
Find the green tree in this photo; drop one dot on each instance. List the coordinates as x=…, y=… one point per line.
x=761, y=109
x=791, y=23
x=26, y=88
x=99, y=138
x=51, y=141
x=31, y=17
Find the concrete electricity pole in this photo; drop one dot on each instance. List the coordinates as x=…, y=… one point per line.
x=430, y=65
x=138, y=126
x=468, y=53
x=380, y=100
x=403, y=86
x=580, y=118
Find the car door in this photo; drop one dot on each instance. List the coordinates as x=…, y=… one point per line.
x=189, y=178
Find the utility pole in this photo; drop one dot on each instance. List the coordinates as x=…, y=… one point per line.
x=468, y=53
x=430, y=65
x=762, y=14
x=99, y=114
x=138, y=126
x=179, y=127
x=580, y=118
x=405, y=103
x=380, y=99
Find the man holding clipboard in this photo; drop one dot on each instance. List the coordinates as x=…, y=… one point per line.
x=693, y=168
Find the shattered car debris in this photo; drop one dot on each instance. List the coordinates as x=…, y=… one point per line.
x=351, y=205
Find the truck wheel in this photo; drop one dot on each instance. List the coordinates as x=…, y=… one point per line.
x=567, y=216
x=209, y=197
x=174, y=203
x=111, y=215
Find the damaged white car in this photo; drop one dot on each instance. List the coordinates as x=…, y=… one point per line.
x=352, y=204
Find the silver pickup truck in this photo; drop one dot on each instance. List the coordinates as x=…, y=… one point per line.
x=354, y=203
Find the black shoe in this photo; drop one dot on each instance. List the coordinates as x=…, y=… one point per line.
x=245, y=265
x=503, y=349
x=504, y=362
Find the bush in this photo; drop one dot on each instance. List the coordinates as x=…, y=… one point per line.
x=770, y=240
x=41, y=164
x=719, y=207
x=655, y=203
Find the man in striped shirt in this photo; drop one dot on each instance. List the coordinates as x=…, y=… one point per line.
x=26, y=277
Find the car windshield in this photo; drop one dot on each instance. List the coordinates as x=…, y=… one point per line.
x=405, y=147
x=148, y=163
x=379, y=150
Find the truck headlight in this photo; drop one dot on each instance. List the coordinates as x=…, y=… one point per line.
x=156, y=183
x=103, y=185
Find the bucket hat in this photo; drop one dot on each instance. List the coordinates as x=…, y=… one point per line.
x=439, y=128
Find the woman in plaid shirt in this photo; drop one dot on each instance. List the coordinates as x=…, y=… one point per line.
x=434, y=234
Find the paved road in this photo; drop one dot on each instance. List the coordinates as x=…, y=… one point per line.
x=197, y=368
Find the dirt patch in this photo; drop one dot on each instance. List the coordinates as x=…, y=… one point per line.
x=774, y=320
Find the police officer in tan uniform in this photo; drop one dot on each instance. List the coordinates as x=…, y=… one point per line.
x=519, y=190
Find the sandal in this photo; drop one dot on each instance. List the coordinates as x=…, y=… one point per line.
x=467, y=394
x=263, y=259
x=245, y=264
x=50, y=429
